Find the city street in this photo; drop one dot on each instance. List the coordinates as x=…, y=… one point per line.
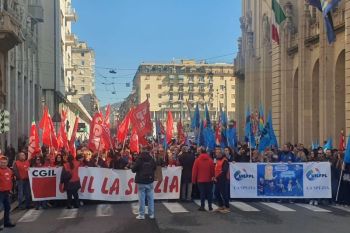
x=175, y=217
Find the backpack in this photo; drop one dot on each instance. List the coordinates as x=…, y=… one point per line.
x=147, y=171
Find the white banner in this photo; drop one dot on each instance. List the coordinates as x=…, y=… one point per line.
x=280, y=180
x=102, y=184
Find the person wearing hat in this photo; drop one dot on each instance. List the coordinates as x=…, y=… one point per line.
x=6, y=178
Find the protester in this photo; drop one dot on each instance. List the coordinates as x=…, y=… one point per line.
x=145, y=168
x=71, y=181
x=202, y=175
x=221, y=179
x=20, y=169
x=186, y=160
x=6, y=179
x=39, y=162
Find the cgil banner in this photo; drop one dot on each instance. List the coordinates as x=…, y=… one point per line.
x=280, y=180
x=102, y=184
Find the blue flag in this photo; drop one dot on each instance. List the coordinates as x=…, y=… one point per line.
x=328, y=5
x=273, y=139
x=328, y=145
x=209, y=138
x=200, y=135
x=265, y=139
x=231, y=134
x=195, y=124
x=207, y=117
x=249, y=135
x=347, y=152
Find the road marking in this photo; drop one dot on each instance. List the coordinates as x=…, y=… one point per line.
x=69, y=214
x=135, y=208
x=175, y=207
x=346, y=209
x=313, y=208
x=198, y=202
x=278, y=207
x=104, y=210
x=30, y=216
x=243, y=206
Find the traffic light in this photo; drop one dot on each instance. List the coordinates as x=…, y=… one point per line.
x=4, y=121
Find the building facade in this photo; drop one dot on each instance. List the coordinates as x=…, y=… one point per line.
x=83, y=77
x=179, y=86
x=303, y=80
x=20, y=86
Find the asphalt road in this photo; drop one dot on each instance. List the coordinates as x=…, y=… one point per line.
x=175, y=217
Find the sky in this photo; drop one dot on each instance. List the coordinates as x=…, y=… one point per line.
x=125, y=33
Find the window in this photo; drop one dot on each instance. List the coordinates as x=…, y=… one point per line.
x=232, y=105
x=170, y=96
x=211, y=105
x=181, y=87
x=148, y=86
x=181, y=96
x=191, y=96
x=210, y=79
x=82, y=88
x=148, y=96
x=190, y=79
x=82, y=54
x=190, y=87
x=202, y=96
x=83, y=63
x=171, y=105
x=147, y=78
x=222, y=78
x=233, y=87
x=221, y=96
x=211, y=87
x=181, y=78
x=201, y=79
x=159, y=96
x=222, y=87
x=160, y=105
x=201, y=87
x=159, y=78
x=159, y=86
x=171, y=87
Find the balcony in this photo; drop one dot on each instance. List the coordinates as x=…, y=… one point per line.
x=70, y=39
x=10, y=26
x=71, y=15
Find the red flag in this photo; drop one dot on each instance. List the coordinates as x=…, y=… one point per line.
x=275, y=34
x=44, y=118
x=218, y=133
x=141, y=119
x=62, y=134
x=169, y=127
x=341, y=141
x=180, y=133
x=49, y=134
x=33, y=147
x=53, y=137
x=134, y=142
x=107, y=117
x=73, y=137
x=96, y=128
x=106, y=138
x=124, y=128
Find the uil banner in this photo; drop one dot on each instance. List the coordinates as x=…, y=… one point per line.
x=102, y=184
x=280, y=180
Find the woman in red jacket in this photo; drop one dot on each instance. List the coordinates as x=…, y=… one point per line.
x=203, y=175
x=71, y=180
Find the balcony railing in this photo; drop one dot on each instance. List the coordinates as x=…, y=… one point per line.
x=71, y=15
x=71, y=39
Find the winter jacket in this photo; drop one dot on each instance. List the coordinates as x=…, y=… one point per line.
x=203, y=169
x=144, y=167
x=186, y=160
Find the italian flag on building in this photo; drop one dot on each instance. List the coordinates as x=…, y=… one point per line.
x=278, y=19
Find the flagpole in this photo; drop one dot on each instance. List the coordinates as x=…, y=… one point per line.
x=341, y=175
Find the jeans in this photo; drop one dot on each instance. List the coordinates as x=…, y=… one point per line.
x=221, y=193
x=146, y=190
x=186, y=188
x=23, y=192
x=206, y=192
x=5, y=201
x=75, y=195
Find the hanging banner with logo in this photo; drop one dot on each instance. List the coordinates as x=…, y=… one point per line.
x=280, y=180
x=101, y=184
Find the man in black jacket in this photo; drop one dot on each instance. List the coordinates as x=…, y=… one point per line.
x=186, y=159
x=145, y=167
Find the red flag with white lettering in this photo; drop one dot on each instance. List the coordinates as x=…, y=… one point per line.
x=141, y=119
x=62, y=134
x=124, y=128
x=95, y=142
x=73, y=137
x=34, y=147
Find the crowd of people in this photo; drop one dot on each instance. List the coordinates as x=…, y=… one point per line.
x=204, y=174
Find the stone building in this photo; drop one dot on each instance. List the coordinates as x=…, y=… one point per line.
x=304, y=81
x=169, y=86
